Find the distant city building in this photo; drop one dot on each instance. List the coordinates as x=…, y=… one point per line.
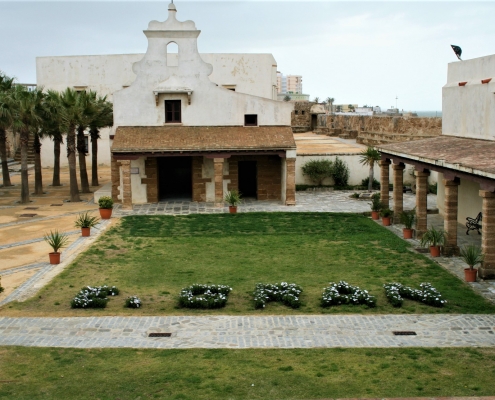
x=290, y=85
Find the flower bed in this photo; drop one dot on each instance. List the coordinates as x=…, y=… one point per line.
x=133, y=302
x=204, y=296
x=93, y=297
x=343, y=293
x=286, y=293
x=396, y=293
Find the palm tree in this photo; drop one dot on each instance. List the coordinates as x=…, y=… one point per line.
x=52, y=126
x=6, y=118
x=87, y=111
x=37, y=131
x=369, y=157
x=330, y=101
x=70, y=116
x=102, y=119
x=26, y=121
x=316, y=100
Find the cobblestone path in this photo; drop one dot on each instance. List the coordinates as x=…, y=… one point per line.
x=251, y=332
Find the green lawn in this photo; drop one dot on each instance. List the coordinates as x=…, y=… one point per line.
x=39, y=373
x=154, y=257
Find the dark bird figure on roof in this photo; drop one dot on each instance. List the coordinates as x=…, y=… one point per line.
x=457, y=51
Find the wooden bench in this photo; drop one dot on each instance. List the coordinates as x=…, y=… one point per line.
x=473, y=224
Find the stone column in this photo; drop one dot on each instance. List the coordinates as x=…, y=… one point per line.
x=218, y=166
x=126, y=190
x=398, y=190
x=115, y=178
x=450, y=219
x=421, y=202
x=384, y=182
x=290, y=182
x=487, y=269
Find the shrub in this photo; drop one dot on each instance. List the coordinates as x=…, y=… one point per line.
x=56, y=240
x=396, y=293
x=340, y=172
x=204, y=296
x=317, y=170
x=432, y=188
x=133, y=302
x=1, y=288
x=285, y=293
x=93, y=297
x=376, y=204
x=374, y=185
x=407, y=218
x=343, y=293
x=84, y=220
x=233, y=198
x=105, y=202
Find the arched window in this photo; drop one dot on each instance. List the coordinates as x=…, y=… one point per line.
x=172, y=54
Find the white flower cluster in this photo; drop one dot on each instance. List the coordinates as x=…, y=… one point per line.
x=133, y=302
x=343, y=293
x=93, y=297
x=286, y=293
x=396, y=293
x=204, y=296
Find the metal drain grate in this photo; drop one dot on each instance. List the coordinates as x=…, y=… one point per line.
x=31, y=208
x=404, y=333
x=160, y=334
x=56, y=205
x=28, y=215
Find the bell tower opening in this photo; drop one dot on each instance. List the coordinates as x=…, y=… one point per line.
x=172, y=55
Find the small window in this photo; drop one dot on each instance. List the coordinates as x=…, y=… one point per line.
x=250, y=120
x=172, y=111
x=297, y=112
x=303, y=112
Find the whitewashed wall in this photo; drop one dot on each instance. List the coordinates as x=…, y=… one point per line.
x=469, y=111
x=470, y=202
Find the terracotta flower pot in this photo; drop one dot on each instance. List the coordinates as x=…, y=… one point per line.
x=105, y=213
x=85, y=232
x=435, y=251
x=375, y=215
x=54, y=258
x=407, y=232
x=233, y=209
x=386, y=221
x=470, y=274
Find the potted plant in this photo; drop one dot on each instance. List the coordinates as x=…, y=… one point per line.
x=376, y=206
x=386, y=214
x=407, y=218
x=434, y=238
x=234, y=199
x=471, y=255
x=86, y=222
x=106, y=205
x=56, y=240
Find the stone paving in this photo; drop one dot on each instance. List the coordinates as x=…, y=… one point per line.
x=311, y=201
x=235, y=332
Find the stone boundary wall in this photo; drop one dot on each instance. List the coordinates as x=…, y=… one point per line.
x=386, y=124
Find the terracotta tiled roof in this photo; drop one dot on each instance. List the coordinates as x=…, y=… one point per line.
x=132, y=139
x=456, y=152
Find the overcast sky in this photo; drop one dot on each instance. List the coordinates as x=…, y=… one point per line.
x=357, y=52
